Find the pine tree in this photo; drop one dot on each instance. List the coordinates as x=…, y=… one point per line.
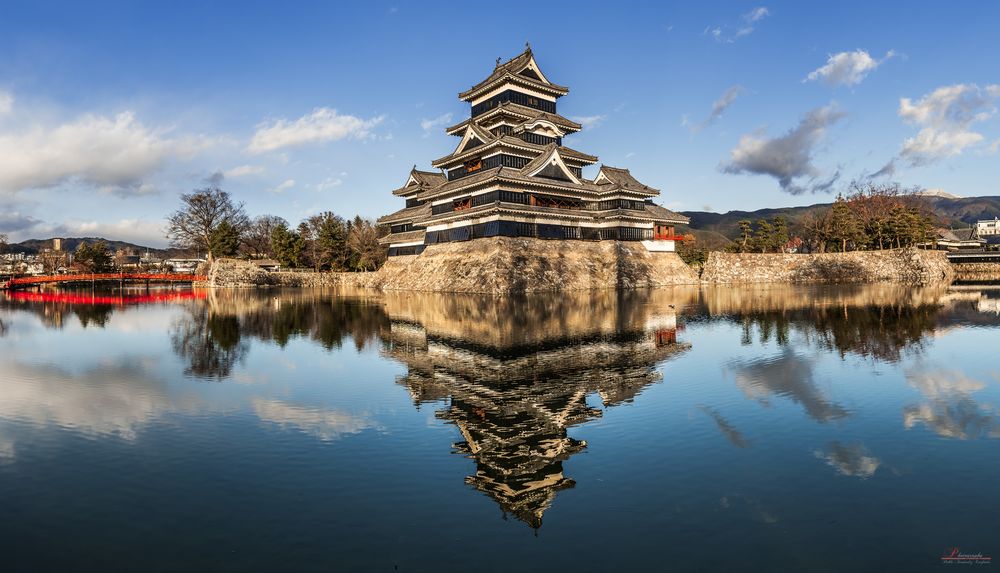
x=288, y=246
x=224, y=240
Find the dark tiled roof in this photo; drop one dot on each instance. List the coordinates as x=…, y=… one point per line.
x=539, y=160
x=429, y=178
x=958, y=235
x=524, y=111
x=567, y=152
x=663, y=214
x=621, y=178
x=515, y=175
x=484, y=175
x=407, y=237
x=512, y=67
x=407, y=214
x=425, y=180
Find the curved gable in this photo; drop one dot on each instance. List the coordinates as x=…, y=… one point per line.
x=550, y=165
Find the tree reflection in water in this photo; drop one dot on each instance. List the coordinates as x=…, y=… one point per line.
x=878, y=332
x=210, y=343
x=211, y=336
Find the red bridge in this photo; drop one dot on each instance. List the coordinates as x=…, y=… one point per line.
x=22, y=282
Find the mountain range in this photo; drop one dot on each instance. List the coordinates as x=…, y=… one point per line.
x=713, y=229
x=34, y=246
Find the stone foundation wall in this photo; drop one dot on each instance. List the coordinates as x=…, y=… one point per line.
x=233, y=273
x=498, y=265
x=503, y=265
x=977, y=271
x=908, y=266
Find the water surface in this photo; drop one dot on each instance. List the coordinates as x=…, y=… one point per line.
x=779, y=429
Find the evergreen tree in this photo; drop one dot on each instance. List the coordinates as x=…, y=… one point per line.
x=224, y=241
x=763, y=239
x=94, y=258
x=779, y=236
x=746, y=232
x=288, y=246
x=844, y=226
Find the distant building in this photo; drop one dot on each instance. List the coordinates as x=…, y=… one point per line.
x=183, y=266
x=268, y=264
x=57, y=244
x=988, y=228
x=956, y=239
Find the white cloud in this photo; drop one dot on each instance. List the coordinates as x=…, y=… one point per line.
x=330, y=183
x=719, y=107
x=589, y=121
x=850, y=459
x=730, y=33
x=949, y=408
x=110, y=153
x=945, y=117
x=756, y=14
x=118, y=398
x=788, y=158
x=322, y=125
x=326, y=425
x=847, y=68
x=145, y=232
x=243, y=170
x=6, y=102
x=283, y=186
x=428, y=125
x=21, y=226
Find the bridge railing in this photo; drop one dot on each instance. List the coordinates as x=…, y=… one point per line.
x=103, y=277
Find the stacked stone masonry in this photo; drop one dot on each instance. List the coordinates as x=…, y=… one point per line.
x=507, y=265
x=908, y=266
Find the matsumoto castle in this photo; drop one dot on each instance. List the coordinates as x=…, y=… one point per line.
x=511, y=176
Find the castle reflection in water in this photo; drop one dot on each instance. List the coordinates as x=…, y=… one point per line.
x=514, y=375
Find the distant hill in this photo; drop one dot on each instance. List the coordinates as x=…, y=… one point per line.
x=955, y=212
x=34, y=246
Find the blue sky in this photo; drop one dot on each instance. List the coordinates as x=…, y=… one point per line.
x=108, y=111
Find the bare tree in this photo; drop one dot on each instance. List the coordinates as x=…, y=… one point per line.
x=362, y=240
x=52, y=261
x=257, y=238
x=191, y=226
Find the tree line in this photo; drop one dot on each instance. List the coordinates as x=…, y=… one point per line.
x=210, y=222
x=870, y=217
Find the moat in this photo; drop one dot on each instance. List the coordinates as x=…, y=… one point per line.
x=782, y=428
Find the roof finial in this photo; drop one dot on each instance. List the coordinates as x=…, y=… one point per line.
x=527, y=46
x=414, y=167
x=498, y=61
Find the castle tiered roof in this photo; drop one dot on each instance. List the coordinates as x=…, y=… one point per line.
x=511, y=175
x=516, y=114
x=521, y=69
